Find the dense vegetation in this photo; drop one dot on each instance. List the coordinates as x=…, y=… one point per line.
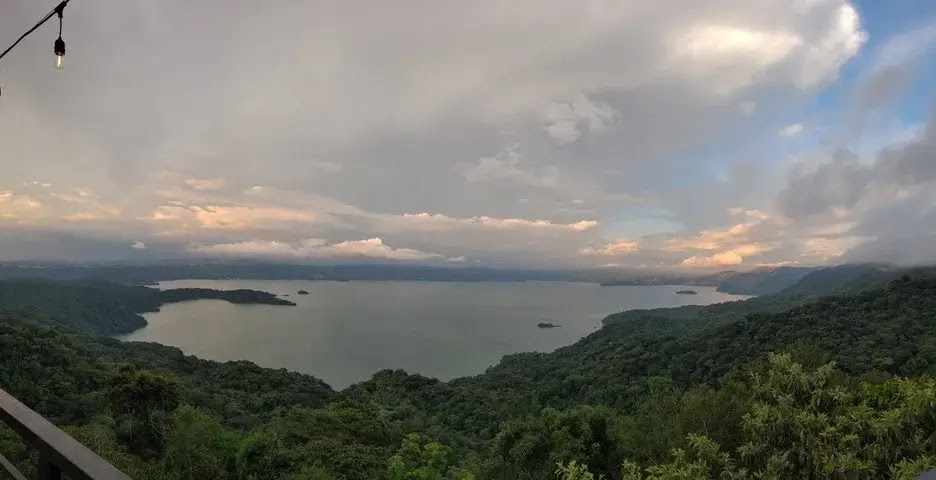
x=691, y=393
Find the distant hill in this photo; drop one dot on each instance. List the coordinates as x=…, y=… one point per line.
x=151, y=273
x=844, y=279
x=837, y=280
x=759, y=281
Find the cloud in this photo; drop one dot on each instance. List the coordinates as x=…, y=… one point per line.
x=509, y=133
x=416, y=222
x=905, y=47
x=791, y=130
x=879, y=89
x=739, y=54
x=233, y=217
x=506, y=166
x=838, y=182
x=845, y=180
x=712, y=47
x=583, y=225
x=205, y=184
x=731, y=257
x=712, y=239
x=82, y=217
x=751, y=212
x=785, y=263
x=138, y=245
x=568, y=120
x=240, y=217
x=619, y=247
x=18, y=207
x=718, y=260
x=886, y=202
x=316, y=248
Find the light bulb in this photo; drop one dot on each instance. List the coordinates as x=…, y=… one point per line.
x=59, y=53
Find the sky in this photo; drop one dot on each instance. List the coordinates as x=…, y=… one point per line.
x=685, y=134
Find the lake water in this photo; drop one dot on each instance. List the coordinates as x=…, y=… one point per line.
x=343, y=332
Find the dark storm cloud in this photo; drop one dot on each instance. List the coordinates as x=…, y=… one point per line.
x=840, y=182
x=889, y=200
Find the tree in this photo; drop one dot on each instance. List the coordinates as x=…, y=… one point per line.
x=703, y=461
x=100, y=437
x=421, y=459
x=814, y=424
x=807, y=423
x=198, y=447
x=141, y=402
x=574, y=471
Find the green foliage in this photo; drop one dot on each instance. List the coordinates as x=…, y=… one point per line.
x=420, y=459
x=100, y=437
x=141, y=402
x=574, y=471
x=704, y=460
x=687, y=393
x=198, y=447
x=351, y=441
x=104, y=308
x=17, y=452
x=611, y=366
x=806, y=424
x=530, y=449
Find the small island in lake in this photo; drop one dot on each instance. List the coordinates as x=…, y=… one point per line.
x=687, y=292
x=546, y=325
x=302, y=292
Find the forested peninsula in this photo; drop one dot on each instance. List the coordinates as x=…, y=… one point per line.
x=105, y=308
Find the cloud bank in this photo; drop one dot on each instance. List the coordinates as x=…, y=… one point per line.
x=524, y=133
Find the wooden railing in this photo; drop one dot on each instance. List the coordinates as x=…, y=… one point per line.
x=59, y=454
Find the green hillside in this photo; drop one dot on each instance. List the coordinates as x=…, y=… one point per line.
x=616, y=403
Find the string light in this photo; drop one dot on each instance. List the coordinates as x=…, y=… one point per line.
x=59, y=46
x=59, y=43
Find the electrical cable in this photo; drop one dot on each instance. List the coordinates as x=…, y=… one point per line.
x=57, y=10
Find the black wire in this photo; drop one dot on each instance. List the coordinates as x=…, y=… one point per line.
x=46, y=18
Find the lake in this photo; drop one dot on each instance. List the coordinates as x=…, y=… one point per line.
x=344, y=332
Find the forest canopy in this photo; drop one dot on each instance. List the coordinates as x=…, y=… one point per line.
x=777, y=387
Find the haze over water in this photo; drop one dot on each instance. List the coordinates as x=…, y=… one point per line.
x=345, y=332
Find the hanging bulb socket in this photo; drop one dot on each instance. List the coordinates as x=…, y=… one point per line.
x=59, y=52
x=59, y=43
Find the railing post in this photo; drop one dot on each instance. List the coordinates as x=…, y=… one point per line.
x=10, y=469
x=59, y=454
x=47, y=469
